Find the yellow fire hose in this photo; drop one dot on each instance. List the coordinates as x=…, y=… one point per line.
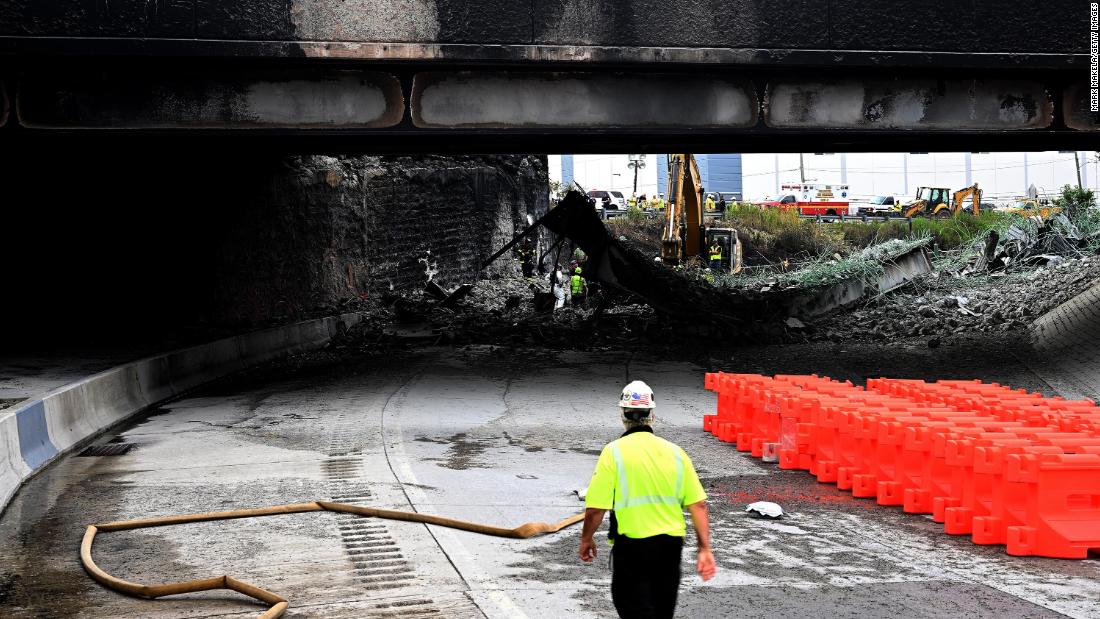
x=278, y=603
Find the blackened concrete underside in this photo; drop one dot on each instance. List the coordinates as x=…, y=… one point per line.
x=562, y=75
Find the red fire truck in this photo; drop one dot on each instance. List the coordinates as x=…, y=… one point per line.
x=811, y=199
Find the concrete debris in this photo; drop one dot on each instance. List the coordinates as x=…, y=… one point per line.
x=449, y=299
x=877, y=270
x=692, y=295
x=1033, y=241
x=888, y=291
x=943, y=310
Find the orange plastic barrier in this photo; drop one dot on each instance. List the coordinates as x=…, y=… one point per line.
x=1002, y=465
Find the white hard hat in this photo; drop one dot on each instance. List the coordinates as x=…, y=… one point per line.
x=637, y=395
x=765, y=509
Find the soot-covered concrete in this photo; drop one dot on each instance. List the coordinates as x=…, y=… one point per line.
x=927, y=25
x=144, y=245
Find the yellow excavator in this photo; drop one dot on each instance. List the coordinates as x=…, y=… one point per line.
x=933, y=202
x=1030, y=207
x=684, y=233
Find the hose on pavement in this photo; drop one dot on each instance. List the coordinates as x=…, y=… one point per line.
x=278, y=603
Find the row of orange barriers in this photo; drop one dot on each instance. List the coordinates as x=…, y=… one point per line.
x=1004, y=466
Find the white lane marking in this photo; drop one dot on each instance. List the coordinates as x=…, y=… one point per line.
x=443, y=535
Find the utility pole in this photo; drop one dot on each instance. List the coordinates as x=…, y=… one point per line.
x=1077, y=161
x=802, y=168
x=637, y=162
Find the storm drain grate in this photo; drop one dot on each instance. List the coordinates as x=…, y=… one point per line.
x=110, y=449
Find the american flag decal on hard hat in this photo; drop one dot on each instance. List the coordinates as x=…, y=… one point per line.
x=638, y=399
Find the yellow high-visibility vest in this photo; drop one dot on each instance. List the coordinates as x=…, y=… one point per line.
x=647, y=481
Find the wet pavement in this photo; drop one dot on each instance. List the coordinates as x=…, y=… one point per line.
x=500, y=437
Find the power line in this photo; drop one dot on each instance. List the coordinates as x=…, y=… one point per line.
x=910, y=170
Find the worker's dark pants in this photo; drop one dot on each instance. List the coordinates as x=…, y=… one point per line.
x=645, y=576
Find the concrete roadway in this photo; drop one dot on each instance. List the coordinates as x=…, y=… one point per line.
x=487, y=435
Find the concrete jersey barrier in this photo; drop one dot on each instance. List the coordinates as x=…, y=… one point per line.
x=39, y=430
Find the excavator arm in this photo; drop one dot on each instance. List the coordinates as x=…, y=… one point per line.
x=685, y=210
x=974, y=193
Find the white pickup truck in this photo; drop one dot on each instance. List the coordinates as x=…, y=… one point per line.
x=878, y=205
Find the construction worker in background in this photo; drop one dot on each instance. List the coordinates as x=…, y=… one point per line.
x=662, y=203
x=647, y=482
x=632, y=201
x=557, y=286
x=578, y=287
x=710, y=202
x=656, y=203
x=715, y=255
x=527, y=255
x=721, y=203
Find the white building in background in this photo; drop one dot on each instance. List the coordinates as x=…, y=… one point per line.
x=605, y=172
x=1002, y=175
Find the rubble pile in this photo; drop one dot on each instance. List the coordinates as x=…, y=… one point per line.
x=890, y=290
x=944, y=305
x=1031, y=241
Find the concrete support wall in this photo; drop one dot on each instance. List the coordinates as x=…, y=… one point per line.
x=136, y=244
x=354, y=226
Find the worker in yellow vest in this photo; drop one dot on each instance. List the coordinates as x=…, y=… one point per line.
x=710, y=206
x=655, y=203
x=647, y=482
x=715, y=255
x=578, y=288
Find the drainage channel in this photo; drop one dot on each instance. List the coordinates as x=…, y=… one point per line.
x=378, y=563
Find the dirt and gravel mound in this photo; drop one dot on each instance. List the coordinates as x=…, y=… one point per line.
x=942, y=305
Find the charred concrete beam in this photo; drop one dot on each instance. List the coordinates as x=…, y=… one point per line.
x=578, y=100
x=409, y=108
x=908, y=104
x=791, y=24
x=626, y=268
x=452, y=54
x=944, y=26
x=1076, y=108
x=116, y=100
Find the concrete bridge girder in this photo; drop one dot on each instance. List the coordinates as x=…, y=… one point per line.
x=560, y=74
x=519, y=101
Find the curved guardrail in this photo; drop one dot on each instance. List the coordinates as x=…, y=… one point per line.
x=35, y=433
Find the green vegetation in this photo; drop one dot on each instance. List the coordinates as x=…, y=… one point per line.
x=1080, y=206
x=776, y=234
x=1076, y=203
x=784, y=250
x=865, y=265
